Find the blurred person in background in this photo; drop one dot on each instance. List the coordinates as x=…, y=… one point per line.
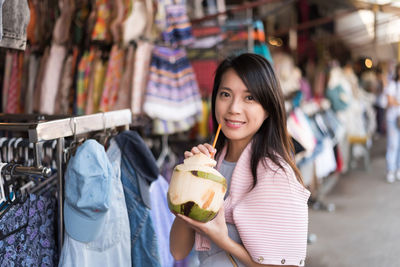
x=381, y=100
x=393, y=130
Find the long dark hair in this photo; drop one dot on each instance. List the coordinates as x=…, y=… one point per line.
x=271, y=140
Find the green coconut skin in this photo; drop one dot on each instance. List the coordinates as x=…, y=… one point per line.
x=192, y=210
x=210, y=176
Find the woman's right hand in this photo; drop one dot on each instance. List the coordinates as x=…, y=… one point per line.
x=206, y=149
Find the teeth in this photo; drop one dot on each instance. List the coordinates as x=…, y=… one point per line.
x=235, y=123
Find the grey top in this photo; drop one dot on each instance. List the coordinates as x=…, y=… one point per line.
x=226, y=170
x=216, y=257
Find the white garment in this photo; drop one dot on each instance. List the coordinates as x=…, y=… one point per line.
x=51, y=79
x=393, y=89
x=325, y=162
x=299, y=128
x=162, y=219
x=135, y=25
x=113, y=247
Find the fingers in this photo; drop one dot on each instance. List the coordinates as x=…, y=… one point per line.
x=206, y=149
x=203, y=149
x=192, y=223
x=210, y=148
x=195, y=150
x=188, y=154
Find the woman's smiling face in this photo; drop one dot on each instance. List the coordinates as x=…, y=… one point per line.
x=239, y=114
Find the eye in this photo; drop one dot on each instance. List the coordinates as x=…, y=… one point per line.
x=250, y=98
x=224, y=94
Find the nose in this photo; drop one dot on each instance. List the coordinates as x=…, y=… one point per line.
x=235, y=106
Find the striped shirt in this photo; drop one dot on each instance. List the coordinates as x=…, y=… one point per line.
x=271, y=218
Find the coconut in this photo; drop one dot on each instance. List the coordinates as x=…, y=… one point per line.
x=196, y=189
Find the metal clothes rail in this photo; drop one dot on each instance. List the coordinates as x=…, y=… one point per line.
x=12, y=168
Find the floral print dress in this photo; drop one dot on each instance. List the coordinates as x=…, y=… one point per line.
x=27, y=233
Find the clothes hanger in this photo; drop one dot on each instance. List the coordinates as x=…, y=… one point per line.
x=4, y=152
x=35, y=190
x=3, y=197
x=48, y=188
x=19, y=149
x=10, y=151
x=166, y=152
x=13, y=200
x=12, y=196
x=16, y=151
x=71, y=149
x=2, y=140
x=54, y=154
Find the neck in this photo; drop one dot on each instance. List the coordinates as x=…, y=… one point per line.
x=234, y=151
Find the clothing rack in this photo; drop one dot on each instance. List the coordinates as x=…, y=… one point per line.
x=16, y=169
x=57, y=130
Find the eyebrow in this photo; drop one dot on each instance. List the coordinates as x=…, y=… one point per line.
x=229, y=89
x=225, y=88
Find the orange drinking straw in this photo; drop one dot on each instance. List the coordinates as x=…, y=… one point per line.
x=216, y=137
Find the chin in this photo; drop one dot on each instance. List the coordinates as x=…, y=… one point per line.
x=235, y=137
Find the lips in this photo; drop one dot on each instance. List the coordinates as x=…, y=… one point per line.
x=234, y=123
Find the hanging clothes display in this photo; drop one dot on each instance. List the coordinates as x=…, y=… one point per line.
x=14, y=86
x=52, y=78
x=96, y=84
x=83, y=80
x=66, y=82
x=172, y=90
x=120, y=96
x=103, y=15
x=178, y=30
x=6, y=78
x=140, y=75
x=113, y=78
x=260, y=46
x=138, y=18
x=32, y=73
x=299, y=127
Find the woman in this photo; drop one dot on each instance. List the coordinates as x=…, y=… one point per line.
x=264, y=219
x=392, y=128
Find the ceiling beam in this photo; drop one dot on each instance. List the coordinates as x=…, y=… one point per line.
x=313, y=23
x=244, y=6
x=386, y=8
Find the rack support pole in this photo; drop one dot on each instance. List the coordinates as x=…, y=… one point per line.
x=60, y=185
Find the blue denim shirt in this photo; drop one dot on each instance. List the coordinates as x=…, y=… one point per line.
x=144, y=250
x=1, y=20
x=14, y=22
x=139, y=156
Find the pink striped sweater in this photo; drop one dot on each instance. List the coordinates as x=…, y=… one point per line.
x=272, y=218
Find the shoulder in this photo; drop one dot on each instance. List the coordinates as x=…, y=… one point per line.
x=268, y=169
x=280, y=180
